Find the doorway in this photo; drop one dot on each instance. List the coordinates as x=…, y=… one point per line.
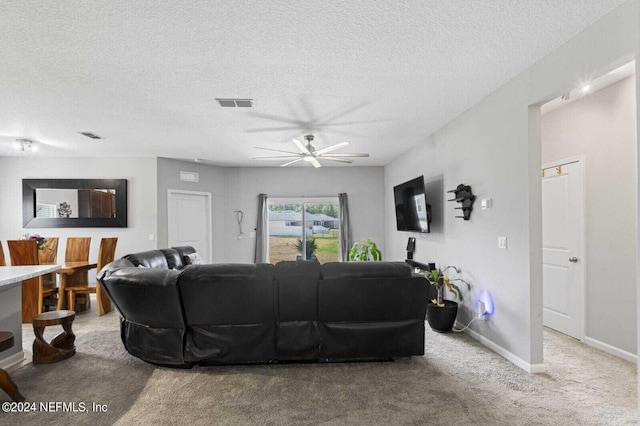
x=563, y=260
x=189, y=221
x=599, y=122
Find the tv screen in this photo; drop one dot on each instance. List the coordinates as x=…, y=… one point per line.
x=412, y=211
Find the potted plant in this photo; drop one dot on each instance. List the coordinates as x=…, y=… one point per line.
x=311, y=247
x=365, y=250
x=442, y=313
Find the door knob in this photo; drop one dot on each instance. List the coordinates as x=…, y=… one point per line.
x=573, y=259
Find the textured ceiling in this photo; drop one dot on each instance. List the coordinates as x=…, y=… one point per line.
x=145, y=74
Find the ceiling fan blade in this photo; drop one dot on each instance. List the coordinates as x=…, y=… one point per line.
x=278, y=150
x=291, y=162
x=276, y=157
x=315, y=162
x=332, y=148
x=350, y=154
x=301, y=146
x=342, y=160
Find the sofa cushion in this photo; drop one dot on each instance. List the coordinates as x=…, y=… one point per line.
x=173, y=257
x=372, y=299
x=148, y=259
x=183, y=251
x=228, y=294
x=333, y=270
x=297, y=289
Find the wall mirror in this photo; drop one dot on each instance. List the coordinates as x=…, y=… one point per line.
x=74, y=203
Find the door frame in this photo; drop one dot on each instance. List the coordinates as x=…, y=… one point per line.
x=583, y=235
x=170, y=219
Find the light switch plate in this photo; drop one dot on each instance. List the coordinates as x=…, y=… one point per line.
x=485, y=204
x=502, y=242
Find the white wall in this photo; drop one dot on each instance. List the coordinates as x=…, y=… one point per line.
x=212, y=179
x=602, y=127
x=141, y=189
x=495, y=148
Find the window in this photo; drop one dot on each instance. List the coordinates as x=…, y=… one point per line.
x=312, y=235
x=46, y=210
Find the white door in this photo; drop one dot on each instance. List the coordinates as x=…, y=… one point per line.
x=563, y=247
x=189, y=216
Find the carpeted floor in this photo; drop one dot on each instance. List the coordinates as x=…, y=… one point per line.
x=456, y=382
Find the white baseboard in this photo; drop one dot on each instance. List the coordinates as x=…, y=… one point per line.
x=13, y=362
x=529, y=368
x=605, y=347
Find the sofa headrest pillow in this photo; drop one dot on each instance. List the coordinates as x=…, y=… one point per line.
x=174, y=259
x=334, y=270
x=183, y=251
x=148, y=259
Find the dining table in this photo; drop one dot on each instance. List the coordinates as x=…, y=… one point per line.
x=12, y=298
x=73, y=274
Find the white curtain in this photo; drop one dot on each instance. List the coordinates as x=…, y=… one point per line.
x=345, y=229
x=262, y=239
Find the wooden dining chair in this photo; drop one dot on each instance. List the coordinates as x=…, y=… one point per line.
x=48, y=255
x=3, y=261
x=78, y=251
x=25, y=252
x=106, y=254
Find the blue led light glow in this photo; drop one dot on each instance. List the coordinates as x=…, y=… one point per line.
x=485, y=299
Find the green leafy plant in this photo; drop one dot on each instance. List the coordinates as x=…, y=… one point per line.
x=438, y=278
x=365, y=250
x=311, y=246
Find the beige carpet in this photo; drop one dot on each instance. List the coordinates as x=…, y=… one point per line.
x=457, y=382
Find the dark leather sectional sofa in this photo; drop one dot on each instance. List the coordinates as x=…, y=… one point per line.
x=176, y=315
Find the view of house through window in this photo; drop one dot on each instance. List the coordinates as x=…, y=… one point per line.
x=312, y=235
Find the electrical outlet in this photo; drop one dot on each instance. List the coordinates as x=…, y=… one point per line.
x=502, y=242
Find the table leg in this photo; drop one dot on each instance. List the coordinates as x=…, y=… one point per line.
x=8, y=385
x=61, y=292
x=104, y=302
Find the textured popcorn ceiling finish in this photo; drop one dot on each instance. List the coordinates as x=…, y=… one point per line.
x=145, y=74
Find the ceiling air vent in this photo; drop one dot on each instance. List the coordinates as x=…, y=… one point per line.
x=233, y=103
x=91, y=135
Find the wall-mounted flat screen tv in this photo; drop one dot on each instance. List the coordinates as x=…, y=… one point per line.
x=412, y=211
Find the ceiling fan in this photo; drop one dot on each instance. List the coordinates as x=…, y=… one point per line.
x=309, y=153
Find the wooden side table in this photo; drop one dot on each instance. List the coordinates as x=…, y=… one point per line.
x=6, y=384
x=62, y=346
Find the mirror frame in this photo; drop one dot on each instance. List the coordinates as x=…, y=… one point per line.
x=30, y=220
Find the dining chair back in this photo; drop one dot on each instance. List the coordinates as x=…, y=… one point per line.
x=22, y=253
x=48, y=255
x=106, y=254
x=3, y=261
x=78, y=251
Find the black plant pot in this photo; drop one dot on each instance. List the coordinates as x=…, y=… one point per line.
x=441, y=319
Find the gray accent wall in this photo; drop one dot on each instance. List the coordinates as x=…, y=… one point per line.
x=238, y=188
x=495, y=147
x=602, y=127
